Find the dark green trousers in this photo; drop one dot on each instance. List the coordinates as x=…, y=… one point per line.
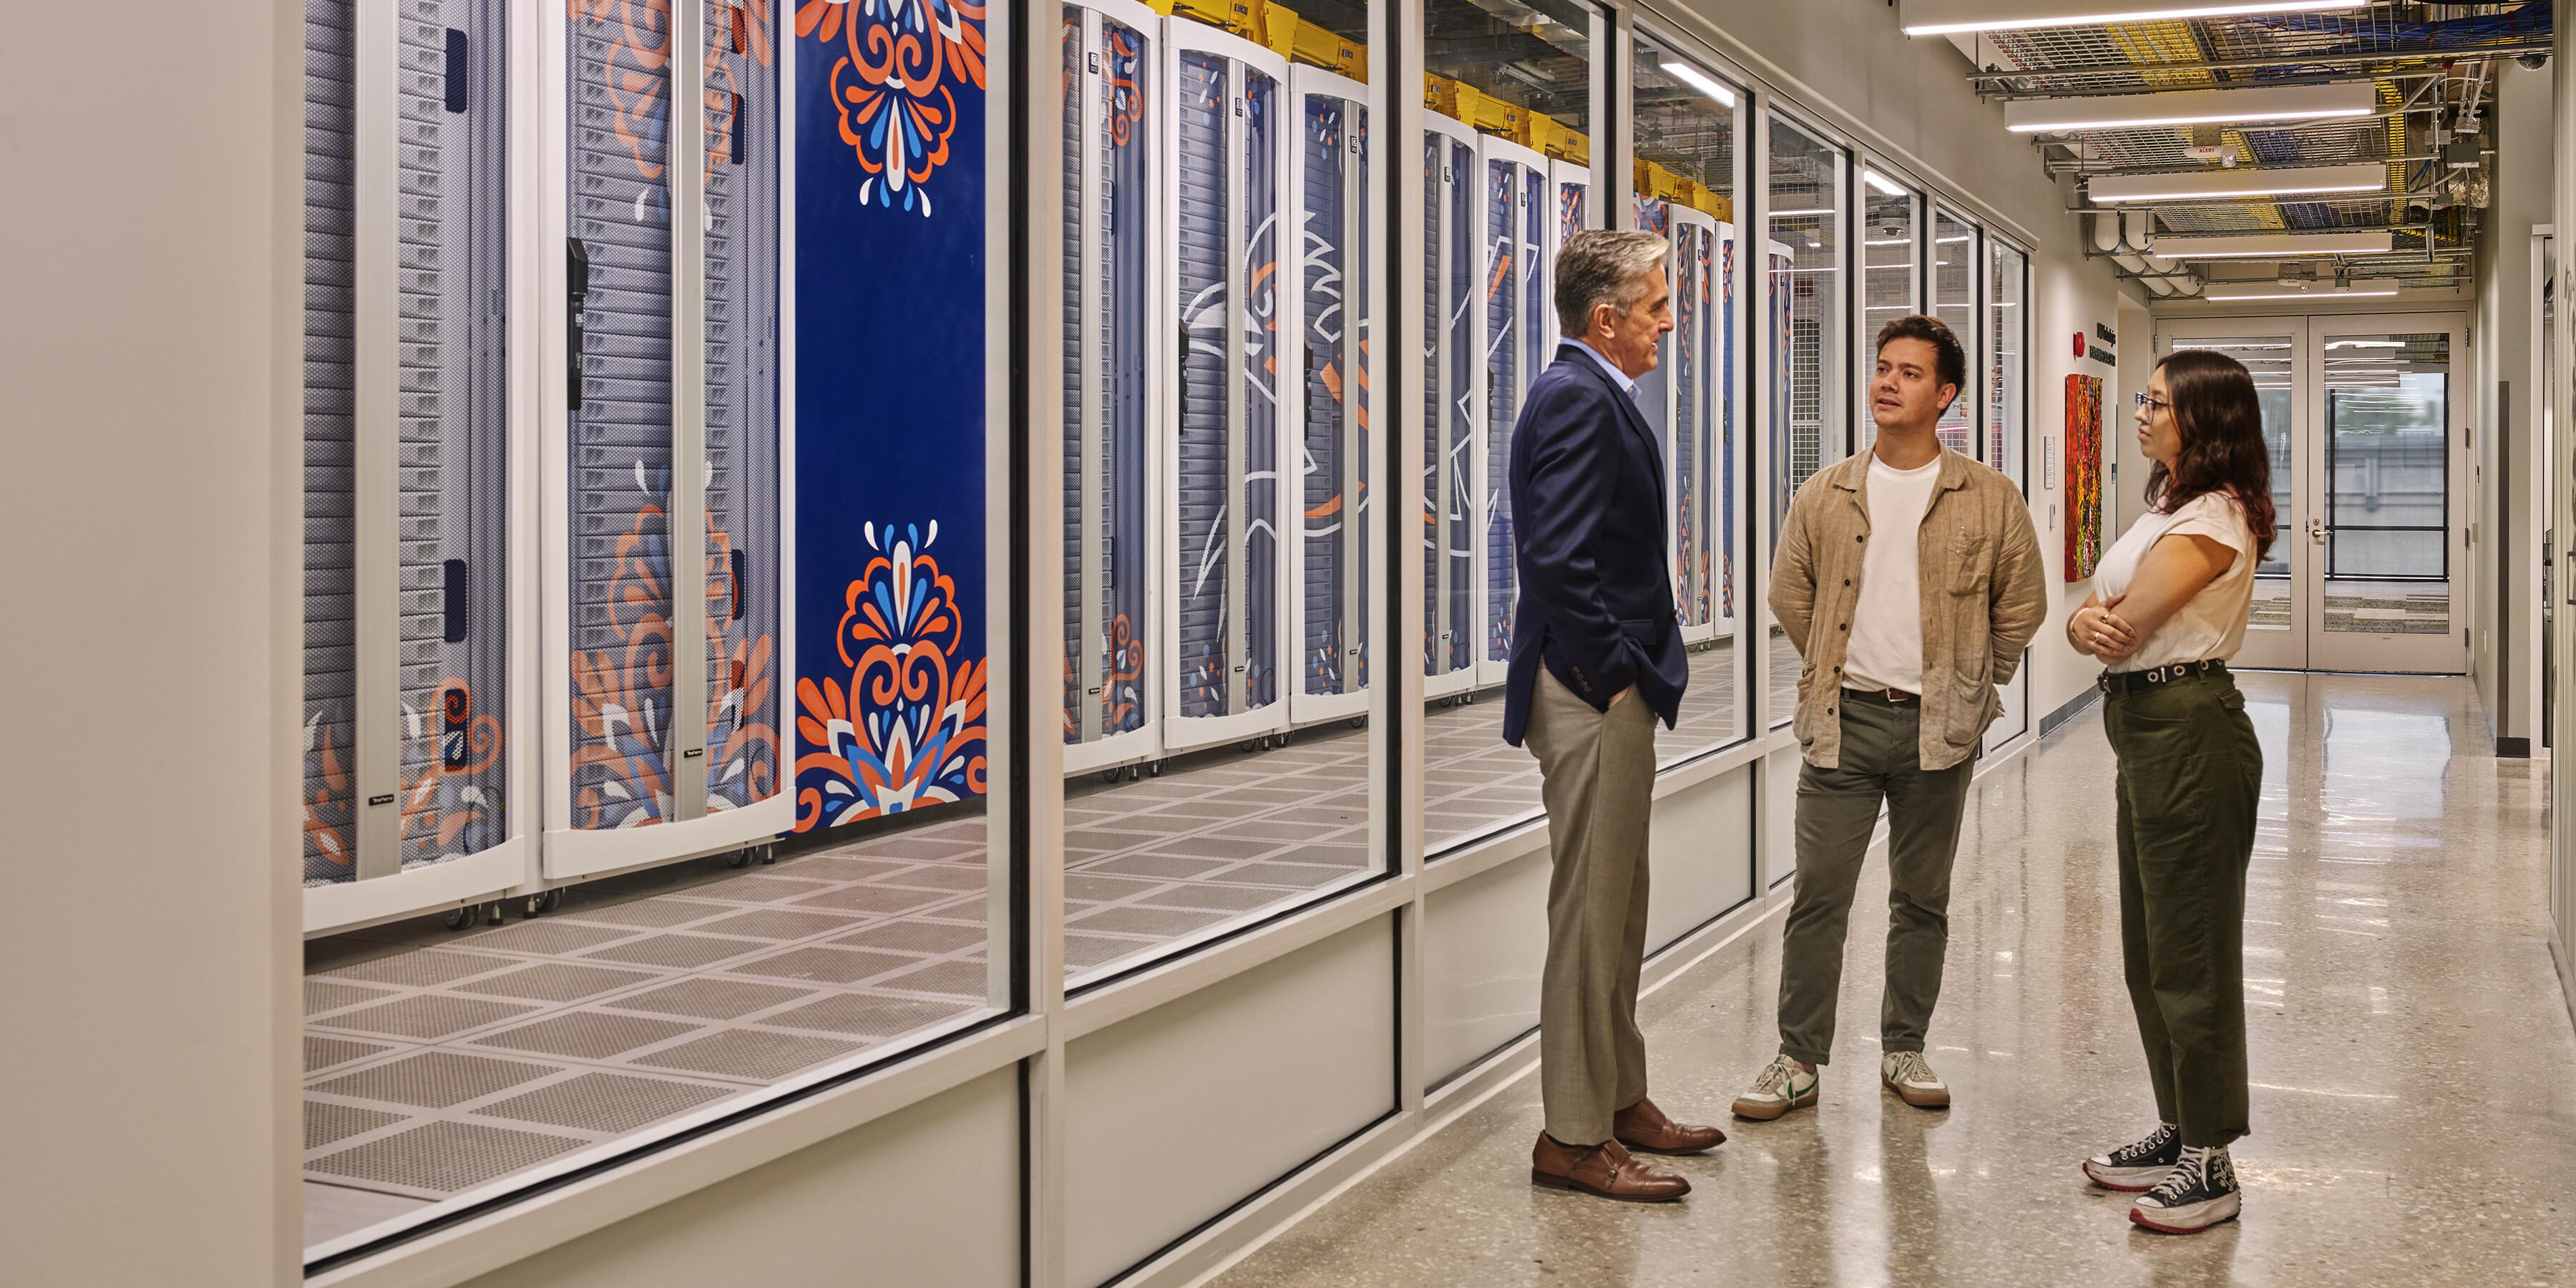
x=2191, y=777
x=1881, y=761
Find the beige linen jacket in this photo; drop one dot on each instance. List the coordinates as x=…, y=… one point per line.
x=1983, y=598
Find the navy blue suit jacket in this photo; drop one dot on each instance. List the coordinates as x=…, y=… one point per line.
x=1588, y=519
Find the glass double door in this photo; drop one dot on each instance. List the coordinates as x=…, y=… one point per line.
x=2367, y=430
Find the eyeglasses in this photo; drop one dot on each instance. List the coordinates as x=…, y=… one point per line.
x=2157, y=403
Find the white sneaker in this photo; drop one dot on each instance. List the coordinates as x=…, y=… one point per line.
x=1908, y=1075
x=2198, y=1193
x=2140, y=1167
x=1779, y=1088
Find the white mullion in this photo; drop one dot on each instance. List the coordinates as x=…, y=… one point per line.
x=684, y=161
x=376, y=430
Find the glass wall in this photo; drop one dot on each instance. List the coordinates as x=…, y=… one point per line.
x=1891, y=226
x=1805, y=355
x=1954, y=301
x=1216, y=664
x=1687, y=179
x=2007, y=444
x=1507, y=155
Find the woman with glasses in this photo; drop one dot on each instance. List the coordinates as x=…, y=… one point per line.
x=2167, y=612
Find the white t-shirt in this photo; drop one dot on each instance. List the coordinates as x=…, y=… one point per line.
x=1886, y=650
x=2212, y=625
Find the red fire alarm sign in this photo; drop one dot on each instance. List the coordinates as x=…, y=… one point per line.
x=2079, y=344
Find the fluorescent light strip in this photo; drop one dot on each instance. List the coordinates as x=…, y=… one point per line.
x=1701, y=81
x=1957, y=16
x=2365, y=344
x=2275, y=245
x=2304, y=295
x=2191, y=107
x=1892, y=241
x=1876, y=180
x=2367, y=176
x=1793, y=214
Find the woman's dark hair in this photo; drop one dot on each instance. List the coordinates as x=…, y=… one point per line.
x=2221, y=423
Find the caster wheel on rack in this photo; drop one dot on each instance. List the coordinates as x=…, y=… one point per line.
x=545, y=901
x=1111, y=775
x=769, y=854
x=1135, y=772
x=459, y=918
x=738, y=859
x=1359, y=722
x=1154, y=770
x=1283, y=738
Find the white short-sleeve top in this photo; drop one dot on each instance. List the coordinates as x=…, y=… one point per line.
x=2212, y=625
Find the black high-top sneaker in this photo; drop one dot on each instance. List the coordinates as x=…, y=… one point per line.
x=2198, y=1193
x=2137, y=1168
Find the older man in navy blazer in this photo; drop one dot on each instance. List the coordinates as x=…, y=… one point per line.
x=1596, y=660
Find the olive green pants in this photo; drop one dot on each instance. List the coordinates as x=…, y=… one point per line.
x=1881, y=761
x=2190, y=779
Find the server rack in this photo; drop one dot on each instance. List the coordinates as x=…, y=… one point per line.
x=1115, y=123
x=1228, y=633
x=1695, y=400
x=1572, y=187
x=1516, y=208
x=1452, y=398
x=669, y=638
x=1329, y=172
x=415, y=503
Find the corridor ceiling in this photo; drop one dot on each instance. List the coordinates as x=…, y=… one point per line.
x=2433, y=68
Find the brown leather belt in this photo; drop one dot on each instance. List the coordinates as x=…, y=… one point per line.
x=1890, y=696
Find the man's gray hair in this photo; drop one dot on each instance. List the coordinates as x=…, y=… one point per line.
x=1597, y=268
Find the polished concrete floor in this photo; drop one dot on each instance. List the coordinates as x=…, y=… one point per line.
x=2414, y=1072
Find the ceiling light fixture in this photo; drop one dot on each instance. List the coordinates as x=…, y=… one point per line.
x=1874, y=179
x=2364, y=176
x=1701, y=81
x=1793, y=214
x=2275, y=245
x=1942, y=17
x=2191, y=107
x=2367, y=288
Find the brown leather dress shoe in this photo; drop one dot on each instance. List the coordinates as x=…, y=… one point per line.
x=1606, y=1170
x=1644, y=1128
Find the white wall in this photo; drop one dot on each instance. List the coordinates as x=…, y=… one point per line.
x=2511, y=496
x=151, y=473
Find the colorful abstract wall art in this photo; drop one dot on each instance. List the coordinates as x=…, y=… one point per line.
x=2083, y=476
x=890, y=283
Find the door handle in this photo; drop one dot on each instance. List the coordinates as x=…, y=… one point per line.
x=2317, y=530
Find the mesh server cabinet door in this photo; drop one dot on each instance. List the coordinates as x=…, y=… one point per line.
x=1332, y=599
x=622, y=431
x=1113, y=118
x=407, y=479
x=1695, y=337
x=329, y=785
x=1229, y=591
x=1515, y=274
x=740, y=168
x=1451, y=398
x=1723, y=324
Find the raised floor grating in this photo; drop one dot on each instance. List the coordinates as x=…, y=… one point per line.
x=623, y=1010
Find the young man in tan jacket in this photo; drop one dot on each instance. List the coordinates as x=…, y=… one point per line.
x=1908, y=578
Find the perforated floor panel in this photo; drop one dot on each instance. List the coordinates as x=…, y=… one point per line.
x=434, y=1068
